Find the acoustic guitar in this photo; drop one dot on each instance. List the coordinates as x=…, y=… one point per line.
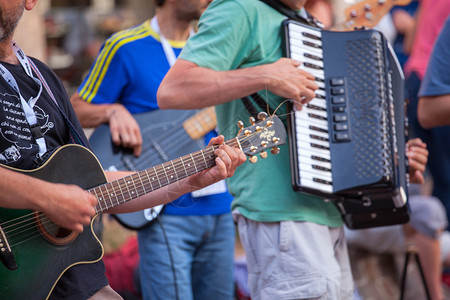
x=35, y=252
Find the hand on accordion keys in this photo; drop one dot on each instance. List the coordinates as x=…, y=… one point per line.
x=417, y=153
x=289, y=81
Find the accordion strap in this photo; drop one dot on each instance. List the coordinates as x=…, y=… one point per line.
x=291, y=14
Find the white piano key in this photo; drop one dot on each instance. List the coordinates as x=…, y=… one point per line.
x=310, y=161
x=307, y=171
x=307, y=149
x=303, y=138
x=308, y=183
x=303, y=131
x=300, y=29
x=311, y=153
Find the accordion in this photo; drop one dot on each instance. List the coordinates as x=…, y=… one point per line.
x=347, y=145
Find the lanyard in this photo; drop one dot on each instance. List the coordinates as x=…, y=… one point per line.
x=26, y=105
x=168, y=50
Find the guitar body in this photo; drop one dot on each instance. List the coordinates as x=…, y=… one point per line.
x=164, y=138
x=42, y=260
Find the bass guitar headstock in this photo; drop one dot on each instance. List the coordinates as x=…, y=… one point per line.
x=268, y=133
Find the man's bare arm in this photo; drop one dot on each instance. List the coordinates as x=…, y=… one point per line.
x=434, y=111
x=188, y=86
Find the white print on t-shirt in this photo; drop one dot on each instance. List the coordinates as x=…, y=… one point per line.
x=14, y=127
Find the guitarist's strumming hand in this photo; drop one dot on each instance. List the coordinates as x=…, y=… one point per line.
x=227, y=160
x=124, y=129
x=69, y=206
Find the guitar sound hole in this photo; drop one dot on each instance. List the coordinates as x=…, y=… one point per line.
x=53, y=233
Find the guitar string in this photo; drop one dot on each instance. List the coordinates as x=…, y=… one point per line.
x=46, y=221
x=30, y=230
x=198, y=153
x=198, y=156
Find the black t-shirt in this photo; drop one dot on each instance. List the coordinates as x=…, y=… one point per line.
x=18, y=149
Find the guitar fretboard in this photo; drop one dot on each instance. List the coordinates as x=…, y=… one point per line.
x=114, y=193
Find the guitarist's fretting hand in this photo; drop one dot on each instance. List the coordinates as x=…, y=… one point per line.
x=227, y=160
x=124, y=129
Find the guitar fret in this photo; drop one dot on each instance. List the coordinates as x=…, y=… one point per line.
x=149, y=180
x=182, y=163
x=174, y=170
x=98, y=207
x=141, y=183
x=165, y=173
x=128, y=197
x=116, y=190
x=157, y=177
x=110, y=194
x=135, y=191
x=204, y=159
x=193, y=162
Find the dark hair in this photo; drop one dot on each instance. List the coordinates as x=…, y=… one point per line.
x=159, y=3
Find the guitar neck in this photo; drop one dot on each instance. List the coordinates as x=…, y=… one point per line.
x=201, y=123
x=117, y=192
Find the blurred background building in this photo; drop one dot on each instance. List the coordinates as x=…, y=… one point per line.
x=67, y=34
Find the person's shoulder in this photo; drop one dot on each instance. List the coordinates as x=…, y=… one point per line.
x=246, y=5
x=129, y=35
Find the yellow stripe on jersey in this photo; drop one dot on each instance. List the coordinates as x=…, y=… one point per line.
x=103, y=60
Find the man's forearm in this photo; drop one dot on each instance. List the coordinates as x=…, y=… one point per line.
x=91, y=115
x=434, y=111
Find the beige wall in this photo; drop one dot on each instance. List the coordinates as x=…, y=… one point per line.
x=30, y=33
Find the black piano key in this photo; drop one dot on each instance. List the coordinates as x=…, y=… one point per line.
x=318, y=180
x=321, y=168
x=317, y=117
x=312, y=56
x=312, y=106
x=312, y=127
x=311, y=36
x=319, y=146
x=315, y=157
x=320, y=138
x=320, y=96
x=312, y=66
x=309, y=44
x=319, y=79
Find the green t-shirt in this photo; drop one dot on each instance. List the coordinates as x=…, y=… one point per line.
x=236, y=34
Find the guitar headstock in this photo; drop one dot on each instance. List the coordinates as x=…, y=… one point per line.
x=268, y=133
x=368, y=13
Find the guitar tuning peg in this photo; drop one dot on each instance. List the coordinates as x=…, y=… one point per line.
x=240, y=124
x=262, y=116
x=258, y=128
x=275, y=150
x=275, y=140
x=247, y=132
x=263, y=154
x=252, y=121
x=253, y=159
